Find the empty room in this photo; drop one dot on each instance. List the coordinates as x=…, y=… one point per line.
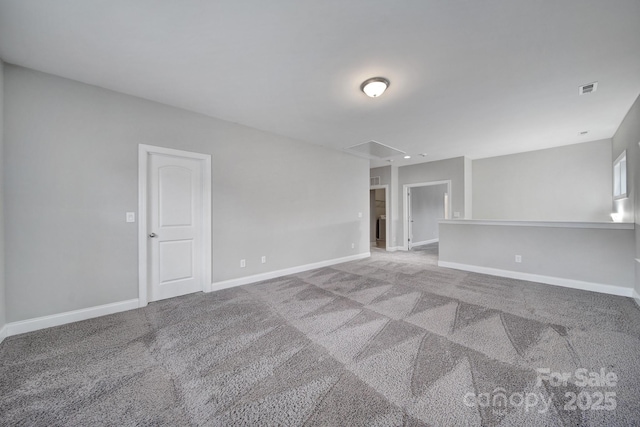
x=338, y=213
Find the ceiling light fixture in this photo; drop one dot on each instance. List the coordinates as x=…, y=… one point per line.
x=374, y=87
x=407, y=156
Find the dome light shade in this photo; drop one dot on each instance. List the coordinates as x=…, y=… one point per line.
x=375, y=86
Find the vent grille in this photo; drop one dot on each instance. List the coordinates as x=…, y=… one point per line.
x=588, y=88
x=375, y=180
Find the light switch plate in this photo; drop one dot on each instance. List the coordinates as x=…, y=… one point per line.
x=131, y=217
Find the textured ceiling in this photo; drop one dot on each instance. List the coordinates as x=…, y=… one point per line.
x=474, y=78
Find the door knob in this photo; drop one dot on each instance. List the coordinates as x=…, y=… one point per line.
x=152, y=235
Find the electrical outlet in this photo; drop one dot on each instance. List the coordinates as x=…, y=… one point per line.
x=243, y=263
x=353, y=246
x=131, y=217
x=264, y=259
x=456, y=214
x=518, y=258
x=359, y=214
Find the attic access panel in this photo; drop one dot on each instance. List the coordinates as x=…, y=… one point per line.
x=376, y=150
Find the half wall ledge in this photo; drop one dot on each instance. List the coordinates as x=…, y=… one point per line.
x=593, y=256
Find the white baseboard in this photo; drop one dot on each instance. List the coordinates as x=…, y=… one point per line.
x=216, y=286
x=636, y=297
x=424, y=242
x=29, y=325
x=3, y=333
x=549, y=280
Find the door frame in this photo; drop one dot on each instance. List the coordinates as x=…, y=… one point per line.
x=144, y=151
x=384, y=187
x=406, y=188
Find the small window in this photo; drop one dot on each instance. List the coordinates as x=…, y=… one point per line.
x=620, y=177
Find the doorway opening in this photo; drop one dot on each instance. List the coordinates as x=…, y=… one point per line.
x=378, y=216
x=424, y=205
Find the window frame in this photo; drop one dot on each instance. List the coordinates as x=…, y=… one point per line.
x=620, y=188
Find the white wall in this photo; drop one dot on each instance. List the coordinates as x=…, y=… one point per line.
x=570, y=183
x=2, y=167
x=468, y=188
x=598, y=256
x=71, y=174
x=427, y=207
x=627, y=138
x=383, y=172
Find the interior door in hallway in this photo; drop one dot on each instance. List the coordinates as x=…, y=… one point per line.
x=175, y=225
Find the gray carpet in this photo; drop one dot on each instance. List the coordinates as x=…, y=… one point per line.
x=387, y=341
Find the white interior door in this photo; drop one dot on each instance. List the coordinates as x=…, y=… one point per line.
x=175, y=226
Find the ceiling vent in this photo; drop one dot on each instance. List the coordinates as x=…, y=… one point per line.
x=375, y=150
x=588, y=88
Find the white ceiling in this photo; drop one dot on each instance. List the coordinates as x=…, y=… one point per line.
x=468, y=77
